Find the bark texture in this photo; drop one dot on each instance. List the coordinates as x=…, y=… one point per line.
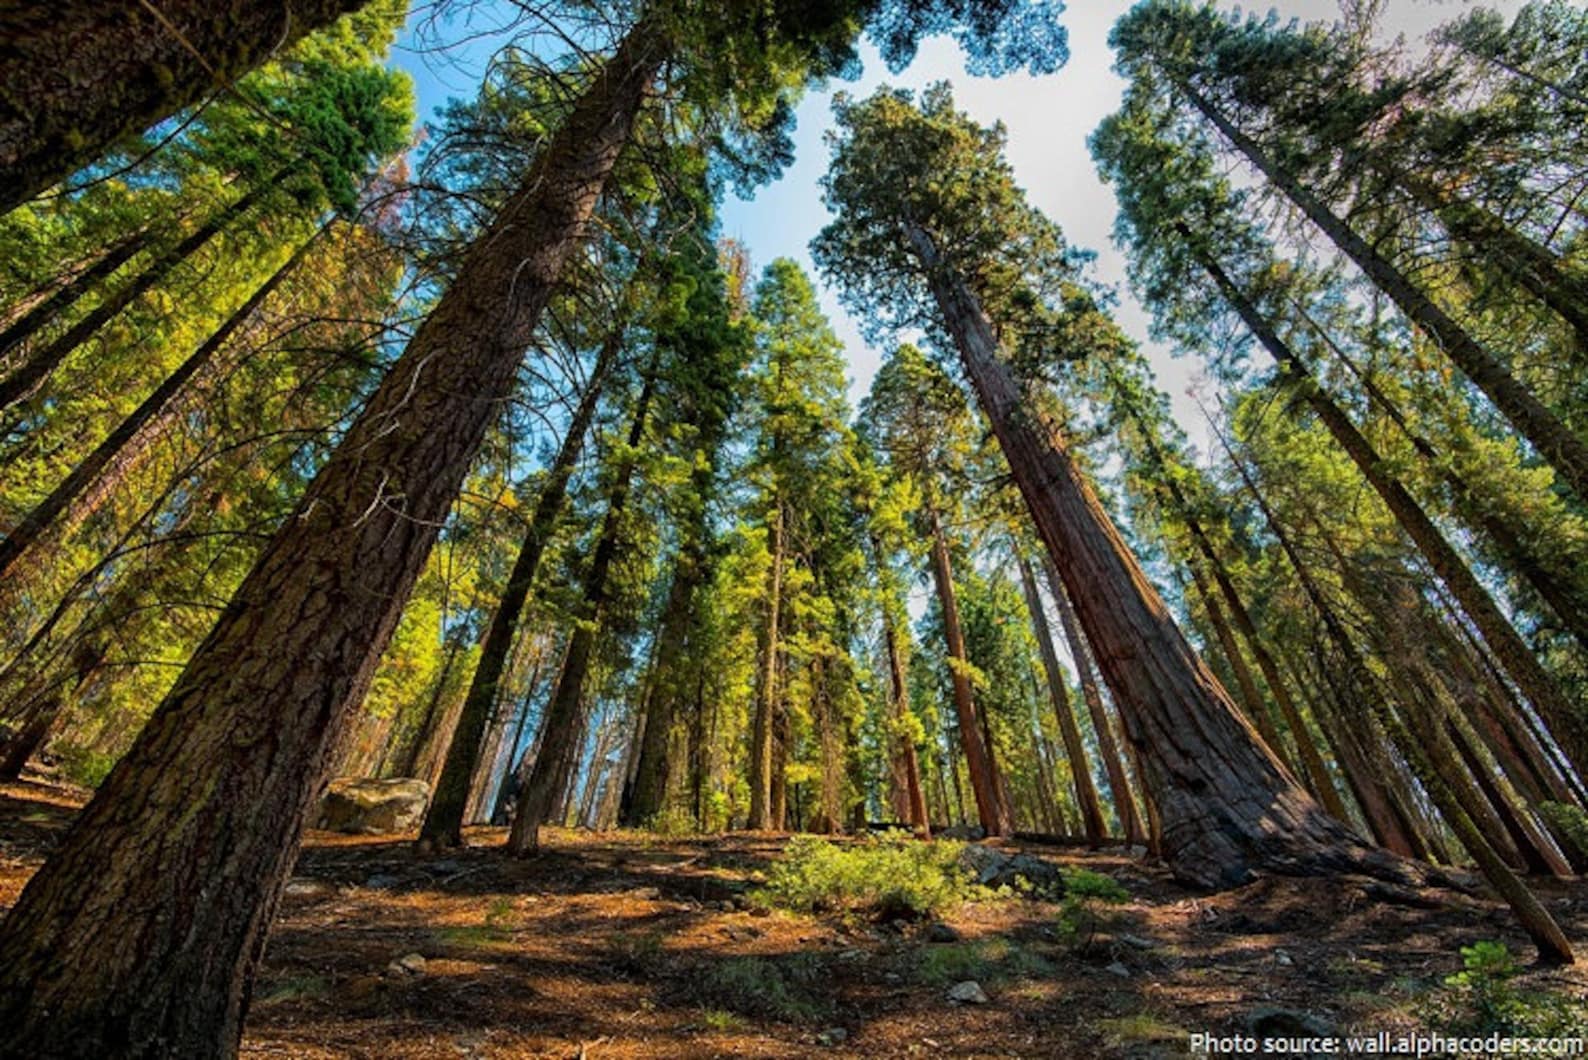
x=78, y=75
x=141, y=934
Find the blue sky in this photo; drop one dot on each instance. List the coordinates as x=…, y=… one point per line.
x=1048, y=118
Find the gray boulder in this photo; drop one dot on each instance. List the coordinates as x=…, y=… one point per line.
x=365, y=806
x=992, y=867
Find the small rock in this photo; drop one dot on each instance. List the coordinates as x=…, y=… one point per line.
x=1137, y=942
x=833, y=1036
x=645, y=894
x=968, y=993
x=892, y=977
x=382, y=881
x=852, y=955
x=1118, y=969
x=941, y=932
x=308, y=889
x=408, y=964
x=1283, y=959
x=761, y=911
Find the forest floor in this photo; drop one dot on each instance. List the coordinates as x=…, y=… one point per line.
x=630, y=945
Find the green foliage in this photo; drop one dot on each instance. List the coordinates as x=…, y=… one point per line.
x=790, y=987
x=1087, y=896
x=984, y=960
x=883, y=876
x=1484, y=999
x=84, y=765
x=1568, y=821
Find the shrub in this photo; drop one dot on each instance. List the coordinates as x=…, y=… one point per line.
x=1483, y=999
x=985, y=960
x=787, y=988
x=1086, y=893
x=887, y=876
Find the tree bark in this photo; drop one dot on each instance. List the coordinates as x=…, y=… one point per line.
x=76, y=75
x=25, y=379
x=766, y=701
x=1566, y=720
x=1554, y=441
x=1092, y=821
x=1229, y=810
x=906, y=765
x=140, y=936
x=443, y=824
x=991, y=811
x=1086, y=673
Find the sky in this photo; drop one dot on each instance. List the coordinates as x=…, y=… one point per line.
x=1048, y=118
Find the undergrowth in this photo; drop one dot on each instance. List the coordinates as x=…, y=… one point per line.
x=888, y=877
x=1484, y=998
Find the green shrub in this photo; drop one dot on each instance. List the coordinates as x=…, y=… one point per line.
x=985, y=960
x=789, y=988
x=886, y=876
x=1086, y=894
x=1483, y=999
x=673, y=823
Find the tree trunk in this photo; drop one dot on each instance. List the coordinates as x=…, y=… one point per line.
x=905, y=763
x=23, y=381
x=77, y=75
x=62, y=298
x=443, y=824
x=1566, y=721
x=990, y=810
x=94, y=475
x=1092, y=821
x=1228, y=808
x=564, y=720
x=765, y=704
x=1256, y=706
x=140, y=936
x=1560, y=590
x=1553, y=440
x=1086, y=673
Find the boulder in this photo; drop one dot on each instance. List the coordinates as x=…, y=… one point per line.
x=968, y=993
x=365, y=806
x=992, y=867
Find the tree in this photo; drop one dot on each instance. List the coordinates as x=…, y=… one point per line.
x=928, y=222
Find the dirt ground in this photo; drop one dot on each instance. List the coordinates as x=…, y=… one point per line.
x=626, y=945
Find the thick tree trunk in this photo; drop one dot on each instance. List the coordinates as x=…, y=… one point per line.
x=26, y=378
x=94, y=475
x=562, y=728
x=141, y=934
x=1554, y=441
x=1565, y=719
x=990, y=809
x=1229, y=810
x=1086, y=673
x=766, y=699
x=59, y=300
x=1092, y=821
x=77, y=75
x=443, y=824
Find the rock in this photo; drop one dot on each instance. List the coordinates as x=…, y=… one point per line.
x=833, y=1036
x=994, y=868
x=365, y=806
x=1275, y=1022
x=382, y=881
x=308, y=889
x=962, y=832
x=1118, y=969
x=408, y=964
x=1283, y=959
x=968, y=993
x=941, y=932
x=1137, y=942
x=645, y=894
